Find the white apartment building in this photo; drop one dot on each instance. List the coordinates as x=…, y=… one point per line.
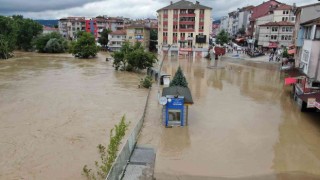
x=116, y=39
x=276, y=34
x=186, y=27
x=224, y=23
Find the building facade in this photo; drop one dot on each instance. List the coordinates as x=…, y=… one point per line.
x=116, y=39
x=224, y=22
x=185, y=26
x=276, y=34
x=140, y=33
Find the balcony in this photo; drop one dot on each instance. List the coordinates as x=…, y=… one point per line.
x=187, y=22
x=187, y=15
x=186, y=30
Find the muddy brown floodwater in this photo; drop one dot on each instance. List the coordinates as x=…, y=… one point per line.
x=243, y=125
x=55, y=110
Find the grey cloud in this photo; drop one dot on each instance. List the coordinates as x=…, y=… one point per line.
x=55, y=9
x=8, y=6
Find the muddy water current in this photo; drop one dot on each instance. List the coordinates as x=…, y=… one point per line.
x=243, y=124
x=55, y=110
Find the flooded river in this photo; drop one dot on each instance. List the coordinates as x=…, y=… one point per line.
x=55, y=110
x=243, y=125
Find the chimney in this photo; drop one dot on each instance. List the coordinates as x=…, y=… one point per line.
x=197, y=2
x=170, y=2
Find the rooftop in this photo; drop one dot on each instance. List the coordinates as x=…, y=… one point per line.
x=118, y=32
x=263, y=9
x=180, y=91
x=281, y=23
x=183, y=4
x=284, y=7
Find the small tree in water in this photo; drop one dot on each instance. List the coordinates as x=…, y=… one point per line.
x=179, y=79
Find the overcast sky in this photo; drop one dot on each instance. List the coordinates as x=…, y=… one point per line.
x=55, y=9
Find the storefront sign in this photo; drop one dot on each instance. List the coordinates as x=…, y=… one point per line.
x=311, y=102
x=185, y=49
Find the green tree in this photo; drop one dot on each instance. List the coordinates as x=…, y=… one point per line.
x=8, y=36
x=28, y=29
x=104, y=39
x=179, y=79
x=153, y=40
x=85, y=46
x=222, y=37
x=133, y=57
x=242, y=30
x=50, y=43
x=285, y=53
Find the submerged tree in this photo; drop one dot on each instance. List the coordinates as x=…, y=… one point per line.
x=85, y=46
x=8, y=36
x=179, y=79
x=133, y=57
x=51, y=43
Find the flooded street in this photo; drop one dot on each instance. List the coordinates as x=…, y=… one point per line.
x=243, y=124
x=55, y=110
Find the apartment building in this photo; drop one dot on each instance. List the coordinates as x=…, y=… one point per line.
x=224, y=23
x=275, y=34
x=116, y=39
x=140, y=33
x=185, y=26
x=69, y=26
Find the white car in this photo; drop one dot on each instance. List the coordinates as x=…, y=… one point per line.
x=239, y=48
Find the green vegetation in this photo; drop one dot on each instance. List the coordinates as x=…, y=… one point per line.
x=104, y=39
x=179, y=79
x=109, y=155
x=222, y=37
x=27, y=30
x=8, y=37
x=85, y=46
x=153, y=40
x=51, y=43
x=16, y=32
x=133, y=57
x=285, y=53
x=146, y=82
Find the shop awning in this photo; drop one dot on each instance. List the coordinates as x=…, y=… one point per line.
x=240, y=39
x=294, y=72
x=312, y=99
x=273, y=45
x=290, y=80
x=291, y=51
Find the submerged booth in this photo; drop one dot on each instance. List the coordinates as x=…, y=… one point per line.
x=175, y=101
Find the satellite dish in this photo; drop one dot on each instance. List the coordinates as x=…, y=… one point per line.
x=163, y=100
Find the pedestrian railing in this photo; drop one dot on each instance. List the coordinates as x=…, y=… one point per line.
x=118, y=167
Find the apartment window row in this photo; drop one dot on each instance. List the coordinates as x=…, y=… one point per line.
x=286, y=37
x=165, y=33
x=201, y=11
x=118, y=37
x=287, y=29
x=273, y=37
x=286, y=12
x=201, y=19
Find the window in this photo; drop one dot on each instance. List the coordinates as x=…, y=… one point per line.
x=190, y=34
x=201, y=19
x=267, y=27
x=282, y=37
x=175, y=19
x=201, y=11
x=165, y=34
x=175, y=11
x=285, y=18
x=118, y=37
x=273, y=37
x=165, y=11
x=165, y=26
x=283, y=29
x=201, y=27
x=165, y=19
x=284, y=12
x=307, y=33
x=317, y=35
x=182, y=34
x=274, y=29
x=175, y=26
x=292, y=18
x=130, y=37
x=175, y=34
x=174, y=41
x=266, y=35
